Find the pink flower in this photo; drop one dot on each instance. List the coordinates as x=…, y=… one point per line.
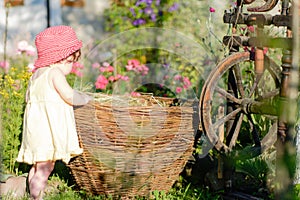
x=139, y=68
x=4, y=65
x=102, y=79
x=101, y=82
x=177, y=45
x=111, y=78
x=145, y=69
x=129, y=67
x=110, y=69
x=177, y=77
x=125, y=78
x=178, y=90
x=211, y=9
x=186, y=82
x=106, y=68
x=133, y=62
x=77, y=72
x=135, y=65
x=96, y=65
x=76, y=69
x=135, y=94
x=118, y=76
x=251, y=29
x=78, y=65
x=105, y=64
x=102, y=69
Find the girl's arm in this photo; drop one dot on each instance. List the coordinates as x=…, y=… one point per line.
x=67, y=93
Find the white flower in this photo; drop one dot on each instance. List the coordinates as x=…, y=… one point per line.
x=30, y=50
x=30, y=67
x=22, y=46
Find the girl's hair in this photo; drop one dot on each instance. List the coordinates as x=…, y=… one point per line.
x=74, y=57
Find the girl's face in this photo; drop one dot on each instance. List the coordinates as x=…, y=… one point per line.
x=67, y=63
x=67, y=66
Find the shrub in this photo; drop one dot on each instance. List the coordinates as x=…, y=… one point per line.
x=13, y=84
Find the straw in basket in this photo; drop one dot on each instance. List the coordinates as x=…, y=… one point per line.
x=132, y=146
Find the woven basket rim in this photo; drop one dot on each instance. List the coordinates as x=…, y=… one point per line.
x=104, y=98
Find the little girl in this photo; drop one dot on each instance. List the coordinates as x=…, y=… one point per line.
x=49, y=131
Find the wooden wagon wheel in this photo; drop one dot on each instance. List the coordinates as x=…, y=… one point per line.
x=269, y=5
x=234, y=100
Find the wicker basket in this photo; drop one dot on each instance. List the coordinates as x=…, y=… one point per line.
x=132, y=146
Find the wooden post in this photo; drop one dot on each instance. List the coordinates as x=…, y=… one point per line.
x=286, y=148
x=7, y=5
x=48, y=13
x=73, y=3
x=13, y=2
x=295, y=80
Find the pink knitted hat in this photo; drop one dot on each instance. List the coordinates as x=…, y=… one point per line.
x=54, y=44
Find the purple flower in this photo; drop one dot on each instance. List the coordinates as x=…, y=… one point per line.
x=138, y=22
x=157, y=2
x=166, y=65
x=174, y=7
x=149, y=2
x=135, y=23
x=153, y=17
x=132, y=12
x=141, y=21
x=139, y=2
x=148, y=10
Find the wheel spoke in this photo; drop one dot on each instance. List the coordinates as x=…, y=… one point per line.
x=227, y=95
x=226, y=118
x=239, y=83
x=236, y=131
x=221, y=112
x=255, y=84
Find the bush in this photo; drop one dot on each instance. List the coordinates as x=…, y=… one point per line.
x=13, y=84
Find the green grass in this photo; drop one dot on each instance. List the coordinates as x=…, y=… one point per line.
x=58, y=189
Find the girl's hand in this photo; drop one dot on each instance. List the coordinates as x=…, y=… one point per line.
x=81, y=98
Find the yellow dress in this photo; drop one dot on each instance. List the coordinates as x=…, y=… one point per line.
x=49, y=131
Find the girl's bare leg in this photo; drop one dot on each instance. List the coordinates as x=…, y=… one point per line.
x=31, y=173
x=38, y=177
